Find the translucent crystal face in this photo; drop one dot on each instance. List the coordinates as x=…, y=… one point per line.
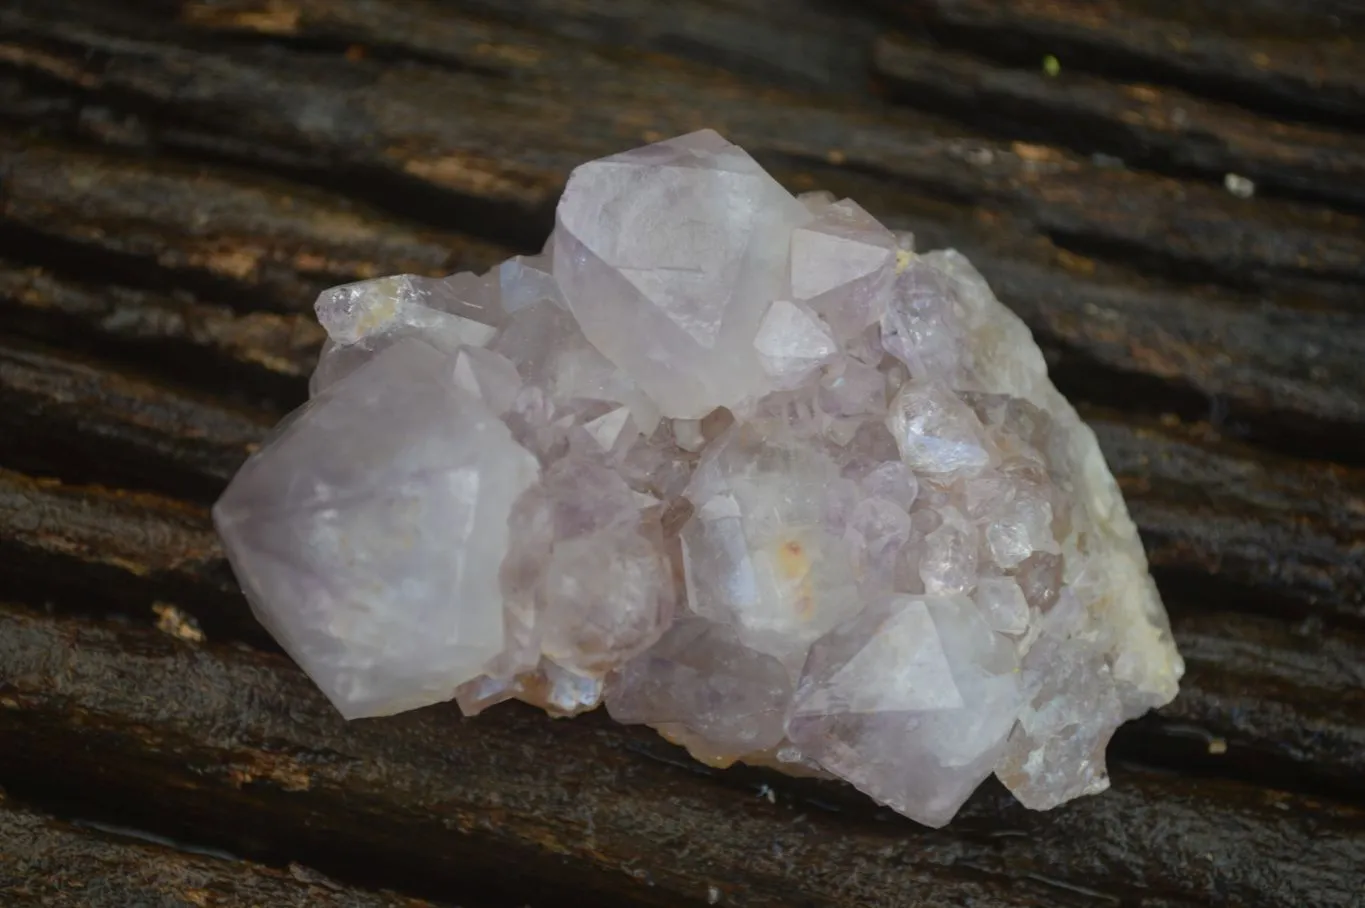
x=911, y=701
x=743, y=467
x=668, y=257
x=841, y=264
x=367, y=534
x=362, y=319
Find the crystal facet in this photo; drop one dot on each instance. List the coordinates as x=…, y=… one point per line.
x=744, y=467
x=668, y=257
x=367, y=535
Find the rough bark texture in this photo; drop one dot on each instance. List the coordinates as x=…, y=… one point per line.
x=178, y=178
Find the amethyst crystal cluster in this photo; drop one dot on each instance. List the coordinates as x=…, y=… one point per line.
x=743, y=466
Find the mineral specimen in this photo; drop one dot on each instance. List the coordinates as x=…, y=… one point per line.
x=745, y=467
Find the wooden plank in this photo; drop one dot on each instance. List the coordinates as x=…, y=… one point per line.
x=516, y=140
x=260, y=355
x=180, y=177
x=80, y=548
x=1262, y=701
x=794, y=43
x=1205, y=47
x=572, y=804
x=264, y=245
x=1258, y=532
x=1142, y=125
x=47, y=862
x=63, y=415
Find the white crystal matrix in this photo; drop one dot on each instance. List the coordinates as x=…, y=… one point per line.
x=742, y=466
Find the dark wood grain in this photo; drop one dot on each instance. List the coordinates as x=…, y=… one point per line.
x=1133, y=123
x=178, y=180
x=364, y=117
x=213, y=727
x=46, y=862
x=1278, y=56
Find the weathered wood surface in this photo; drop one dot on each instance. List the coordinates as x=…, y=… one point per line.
x=178, y=178
x=54, y=864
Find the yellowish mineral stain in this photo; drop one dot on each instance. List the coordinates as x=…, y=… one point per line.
x=793, y=566
x=281, y=771
x=383, y=312
x=271, y=17
x=171, y=620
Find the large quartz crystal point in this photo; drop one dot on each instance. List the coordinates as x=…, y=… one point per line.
x=668, y=256
x=368, y=533
x=911, y=701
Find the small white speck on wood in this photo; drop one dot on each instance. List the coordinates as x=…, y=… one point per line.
x=1238, y=185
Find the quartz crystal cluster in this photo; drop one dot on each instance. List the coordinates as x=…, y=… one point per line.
x=745, y=467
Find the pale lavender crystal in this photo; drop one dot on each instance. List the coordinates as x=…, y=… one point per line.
x=607, y=598
x=882, y=529
x=363, y=318
x=436, y=308
x=588, y=583
x=911, y=701
x=792, y=343
x=841, y=264
x=1056, y=750
x=1019, y=528
x=922, y=325
x=937, y=432
x=367, y=534
x=566, y=382
x=555, y=689
x=852, y=388
x=948, y=563
x=759, y=552
x=744, y=467
x=696, y=666
x=607, y=591
x=488, y=376
x=893, y=481
x=668, y=257
x=1002, y=601
x=525, y=280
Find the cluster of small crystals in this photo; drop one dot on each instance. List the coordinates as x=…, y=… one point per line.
x=743, y=466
